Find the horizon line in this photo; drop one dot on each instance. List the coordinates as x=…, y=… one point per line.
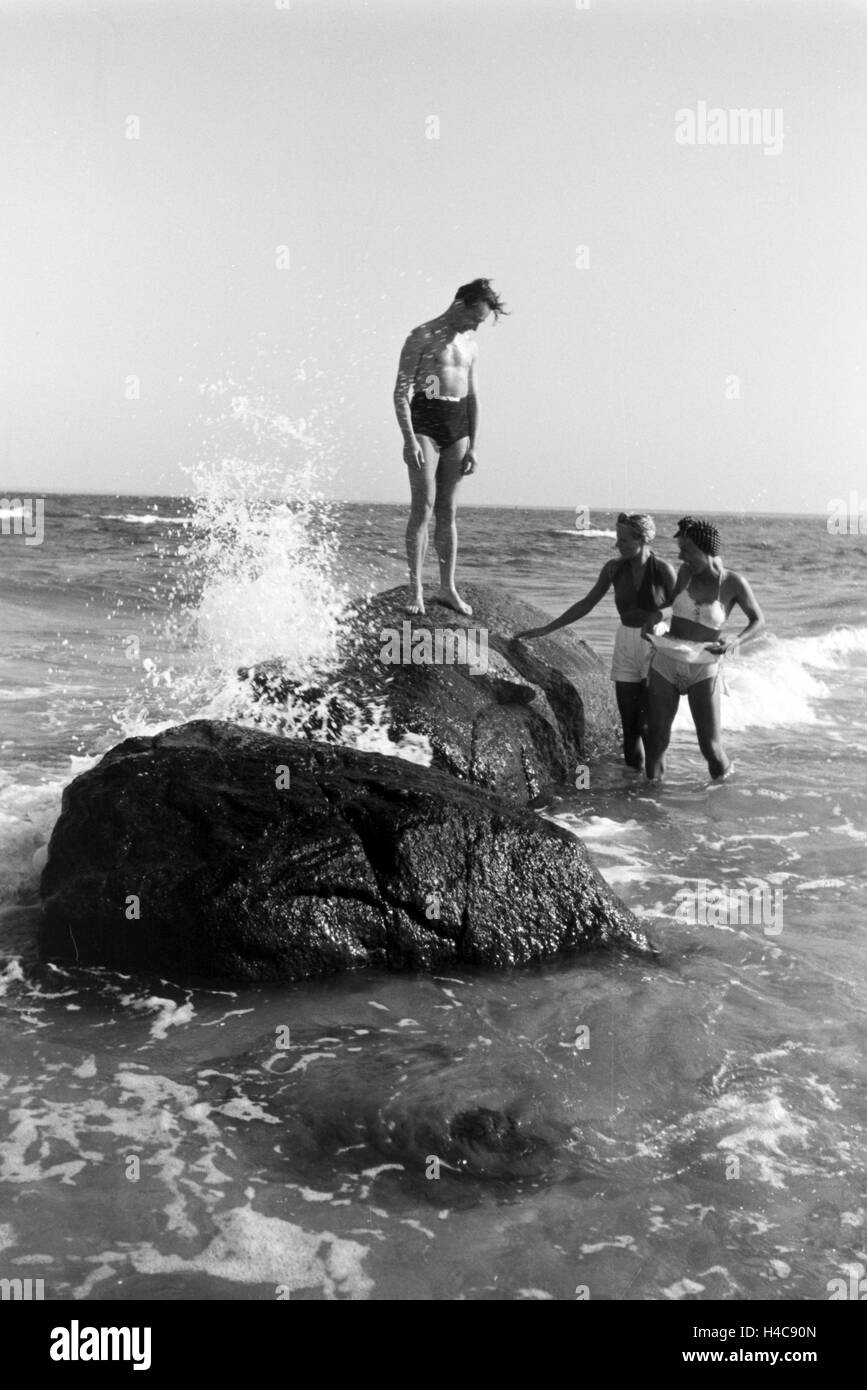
x=382, y=502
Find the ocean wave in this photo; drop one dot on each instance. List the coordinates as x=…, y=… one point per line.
x=777, y=685
x=148, y=519
x=833, y=650
x=590, y=533
x=28, y=811
x=24, y=692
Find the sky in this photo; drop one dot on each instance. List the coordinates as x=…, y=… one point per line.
x=705, y=350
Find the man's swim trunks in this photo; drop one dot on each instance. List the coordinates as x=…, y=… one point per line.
x=441, y=420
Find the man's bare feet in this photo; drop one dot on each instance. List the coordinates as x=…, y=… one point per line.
x=452, y=599
x=416, y=604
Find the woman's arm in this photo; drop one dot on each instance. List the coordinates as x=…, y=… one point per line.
x=578, y=610
x=674, y=582
x=671, y=581
x=684, y=575
x=745, y=599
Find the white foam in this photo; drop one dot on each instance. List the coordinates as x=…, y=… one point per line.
x=619, y=875
x=147, y=519
x=169, y=1013
x=852, y=1218
x=832, y=651
x=243, y=1109
x=27, y=814
x=618, y=1243
x=764, y=1123
x=682, y=1288
x=774, y=683
x=595, y=828
x=311, y=1194
x=824, y=1091
x=304, y=1062
x=10, y=974
x=22, y=692
x=250, y=1248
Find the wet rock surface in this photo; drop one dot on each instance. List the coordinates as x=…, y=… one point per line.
x=216, y=851
x=506, y=715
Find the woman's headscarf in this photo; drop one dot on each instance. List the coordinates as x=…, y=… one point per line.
x=701, y=533
x=639, y=526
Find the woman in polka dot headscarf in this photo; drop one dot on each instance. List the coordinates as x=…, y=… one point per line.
x=686, y=660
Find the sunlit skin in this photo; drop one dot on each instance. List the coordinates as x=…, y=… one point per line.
x=438, y=357
x=630, y=694
x=699, y=572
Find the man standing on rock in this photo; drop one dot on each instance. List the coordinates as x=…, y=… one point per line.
x=436, y=402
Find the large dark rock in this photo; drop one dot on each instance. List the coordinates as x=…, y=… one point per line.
x=362, y=860
x=541, y=708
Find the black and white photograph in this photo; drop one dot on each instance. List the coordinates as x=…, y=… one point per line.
x=433, y=732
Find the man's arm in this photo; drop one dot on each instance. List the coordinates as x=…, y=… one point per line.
x=409, y=359
x=473, y=400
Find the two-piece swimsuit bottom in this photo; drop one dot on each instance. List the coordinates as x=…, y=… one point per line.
x=681, y=662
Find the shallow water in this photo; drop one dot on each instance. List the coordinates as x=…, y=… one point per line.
x=688, y=1128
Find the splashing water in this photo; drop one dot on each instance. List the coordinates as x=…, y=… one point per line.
x=261, y=581
x=266, y=540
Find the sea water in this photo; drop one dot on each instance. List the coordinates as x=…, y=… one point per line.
x=703, y=1115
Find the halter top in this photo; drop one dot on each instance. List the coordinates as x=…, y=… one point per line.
x=712, y=615
x=651, y=593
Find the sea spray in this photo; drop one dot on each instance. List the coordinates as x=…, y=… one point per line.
x=260, y=579
x=264, y=540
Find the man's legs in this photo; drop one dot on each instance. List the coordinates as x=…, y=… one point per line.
x=448, y=476
x=422, y=486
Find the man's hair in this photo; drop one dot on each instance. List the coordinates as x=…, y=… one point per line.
x=480, y=290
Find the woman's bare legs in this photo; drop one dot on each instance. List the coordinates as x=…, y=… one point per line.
x=662, y=701
x=704, y=705
x=631, y=703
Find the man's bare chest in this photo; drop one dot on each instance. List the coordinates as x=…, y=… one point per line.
x=448, y=352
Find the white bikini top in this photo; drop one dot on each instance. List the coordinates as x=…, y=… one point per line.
x=712, y=615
